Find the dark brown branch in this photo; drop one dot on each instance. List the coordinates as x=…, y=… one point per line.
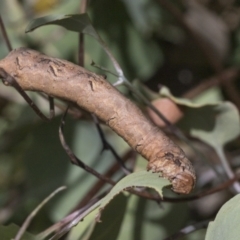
x=228, y=75
x=11, y=81
x=76, y=161
x=5, y=36
x=83, y=8
x=99, y=184
x=108, y=146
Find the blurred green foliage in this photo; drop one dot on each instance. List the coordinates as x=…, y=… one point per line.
x=150, y=45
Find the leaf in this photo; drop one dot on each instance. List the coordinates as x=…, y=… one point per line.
x=215, y=123
x=45, y=161
x=73, y=22
x=140, y=179
x=10, y=231
x=220, y=124
x=136, y=179
x=111, y=224
x=144, y=55
x=165, y=92
x=84, y=228
x=146, y=219
x=226, y=224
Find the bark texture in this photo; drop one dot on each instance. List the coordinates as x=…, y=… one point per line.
x=62, y=79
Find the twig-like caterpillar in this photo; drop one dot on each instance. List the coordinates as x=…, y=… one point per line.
x=62, y=79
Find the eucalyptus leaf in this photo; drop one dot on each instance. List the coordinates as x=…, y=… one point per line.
x=149, y=220
x=112, y=218
x=220, y=124
x=226, y=224
x=73, y=22
x=83, y=229
x=215, y=123
x=136, y=179
x=165, y=92
x=10, y=231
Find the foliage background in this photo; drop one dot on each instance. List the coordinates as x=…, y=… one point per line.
x=151, y=46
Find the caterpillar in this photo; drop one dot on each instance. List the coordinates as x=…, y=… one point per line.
x=59, y=78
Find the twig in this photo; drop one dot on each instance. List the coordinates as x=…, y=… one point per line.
x=103, y=69
x=76, y=161
x=99, y=184
x=73, y=218
x=81, y=214
x=189, y=229
x=83, y=7
x=8, y=80
x=108, y=146
x=227, y=168
x=5, y=36
x=34, y=212
x=68, y=219
x=223, y=77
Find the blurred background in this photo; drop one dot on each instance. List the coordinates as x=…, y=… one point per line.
x=191, y=47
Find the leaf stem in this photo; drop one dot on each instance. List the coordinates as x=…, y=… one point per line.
x=225, y=164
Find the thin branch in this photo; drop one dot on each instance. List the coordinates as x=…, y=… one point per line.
x=34, y=213
x=83, y=8
x=72, y=219
x=189, y=229
x=226, y=167
x=76, y=161
x=5, y=36
x=80, y=216
x=103, y=69
x=99, y=184
x=66, y=220
x=108, y=146
x=8, y=80
x=228, y=75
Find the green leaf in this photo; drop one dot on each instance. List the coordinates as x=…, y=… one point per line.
x=136, y=179
x=10, y=231
x=219, y=124
x=112, y=218
x=215, y=123
x=165, y=92
x=75, y=22
x=45, y=161
x=226, y=224
x=146, y=219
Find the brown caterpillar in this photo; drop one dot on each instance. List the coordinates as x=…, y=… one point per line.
x=62, y=79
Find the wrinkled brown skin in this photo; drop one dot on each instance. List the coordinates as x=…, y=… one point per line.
x=62, y=79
